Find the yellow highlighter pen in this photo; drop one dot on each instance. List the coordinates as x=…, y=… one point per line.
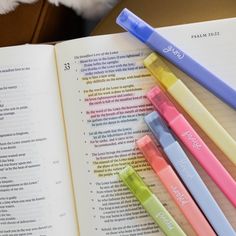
x=177, y=89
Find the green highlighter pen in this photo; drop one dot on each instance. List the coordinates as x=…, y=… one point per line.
x=150, y=202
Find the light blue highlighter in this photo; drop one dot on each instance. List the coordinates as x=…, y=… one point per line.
x=189, y=175
x=148, y=35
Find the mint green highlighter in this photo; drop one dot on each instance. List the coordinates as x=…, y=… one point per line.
x=150, y=202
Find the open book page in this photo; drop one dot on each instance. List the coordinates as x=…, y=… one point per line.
x=35, y=187
x=103, y=85
x=103, y=96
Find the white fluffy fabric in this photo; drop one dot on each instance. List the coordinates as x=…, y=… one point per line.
x=9, y=5
x=86, y=8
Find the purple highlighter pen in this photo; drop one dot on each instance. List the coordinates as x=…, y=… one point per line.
x=148, y=35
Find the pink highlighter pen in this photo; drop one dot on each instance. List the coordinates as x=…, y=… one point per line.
x=174, y=186
x=193, y=143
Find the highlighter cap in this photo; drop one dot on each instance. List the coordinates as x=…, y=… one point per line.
x=151, y=153
x=134, y=25
x=162, y=104
x=159, y=129
x=160, y=70
x=134, y=182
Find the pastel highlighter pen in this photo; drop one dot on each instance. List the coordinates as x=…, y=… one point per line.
x=177, y=89
x=150, y=36
x=189, y=175
x=174, y=186
x=193, y=142
x=150, y=202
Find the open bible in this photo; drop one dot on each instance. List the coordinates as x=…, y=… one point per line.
x=69, y=118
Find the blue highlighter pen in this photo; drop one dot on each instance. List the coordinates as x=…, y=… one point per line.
x=148, y=35
x=189, y=175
